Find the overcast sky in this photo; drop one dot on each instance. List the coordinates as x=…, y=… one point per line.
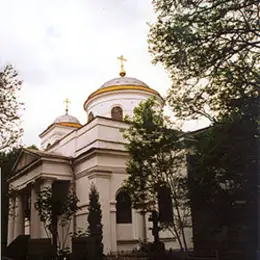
x=69, y=48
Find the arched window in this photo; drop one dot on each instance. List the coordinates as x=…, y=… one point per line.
x=90, y=117
x=123, y=208
x=117, y=113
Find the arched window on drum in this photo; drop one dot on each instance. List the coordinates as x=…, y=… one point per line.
x=90, y=117
x=123, y=208
x=117, y=113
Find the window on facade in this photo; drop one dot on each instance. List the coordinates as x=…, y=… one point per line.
x=117, y=113
x=123, y=208
x=90, y=117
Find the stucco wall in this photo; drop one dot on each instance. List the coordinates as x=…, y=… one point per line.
x=126, y=99
x=100, y=133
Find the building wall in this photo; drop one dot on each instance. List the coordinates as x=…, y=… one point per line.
x=107, y=172
x=56, y=132
x=100, y=133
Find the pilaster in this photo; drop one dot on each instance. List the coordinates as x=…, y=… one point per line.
x=113, y=237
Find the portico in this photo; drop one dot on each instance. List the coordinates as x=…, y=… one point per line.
x=33, y=173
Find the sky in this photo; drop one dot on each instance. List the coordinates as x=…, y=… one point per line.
x=69, y=48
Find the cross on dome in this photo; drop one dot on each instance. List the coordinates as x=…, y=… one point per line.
x=122, y=59
x=67, y=105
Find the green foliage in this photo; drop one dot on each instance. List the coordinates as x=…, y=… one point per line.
x=157, y=159
x=225, y=178
x=211, y=50
x=95, y=215
x=44, y=206
x=95, y=227
x=33, y=147
x=47, y=206
x=10, y=107
x=53, y=210
x=63, y=254
x=7, y=160
x=79, y=233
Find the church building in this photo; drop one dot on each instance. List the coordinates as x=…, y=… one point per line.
x=82, y=154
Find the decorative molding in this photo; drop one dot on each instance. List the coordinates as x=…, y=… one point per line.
x=100, y=140
x=111, y=170
x=119, y=88
x=45, y=175
x=99, y=151
x=25, y=169
x=41, y=177
x=56, y=160
x=76, y=125
x=47, y=180
x=89, y=126
x=64, y=124
x=113, y=206
x=95, y=102
x=104, y=151
x=99, y=174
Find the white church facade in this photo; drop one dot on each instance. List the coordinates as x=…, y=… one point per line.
x=82, y=155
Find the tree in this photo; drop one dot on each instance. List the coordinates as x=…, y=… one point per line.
x=95, y=215
x=95, y=227
x=33, y=147
x=225, y=182
x=56, y=205
x=157, y=160
x=211, y=50
x=10, y=108
x=7, y=160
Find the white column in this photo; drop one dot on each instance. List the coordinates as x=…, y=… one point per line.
x=19, y=216
x=113, y=226
x=11, y=220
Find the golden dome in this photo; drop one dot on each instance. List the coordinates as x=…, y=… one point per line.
x=122, y=83
x=67, y=120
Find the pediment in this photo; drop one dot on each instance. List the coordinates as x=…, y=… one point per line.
x=24, y=159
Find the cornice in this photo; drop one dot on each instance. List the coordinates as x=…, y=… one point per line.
x=99, y=175
x=111, y=170
x=95, y=151
x=118, y=88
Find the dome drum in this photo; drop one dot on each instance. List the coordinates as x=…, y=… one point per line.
x=119, y=89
